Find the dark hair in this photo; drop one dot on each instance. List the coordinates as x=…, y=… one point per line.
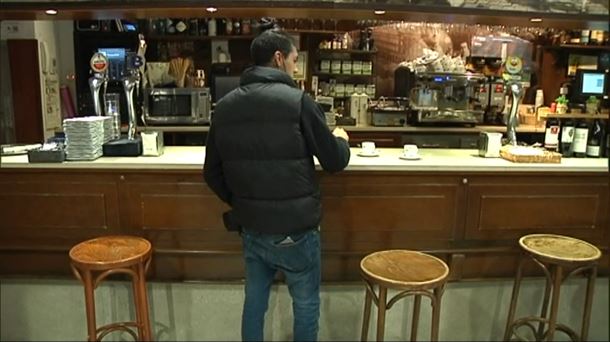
x=271, y=39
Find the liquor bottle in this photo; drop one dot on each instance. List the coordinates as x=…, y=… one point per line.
x=551, y=137
x=182, y=26
x=236, y=27
x=193, y=27
x=203, y=27
x=581, y=134
x=567, y=137
x=595, y=138
x=212, y=27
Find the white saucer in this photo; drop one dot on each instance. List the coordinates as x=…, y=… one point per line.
x=374, y=154
x=403, y=157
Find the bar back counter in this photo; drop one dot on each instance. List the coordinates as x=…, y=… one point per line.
x=467, y=210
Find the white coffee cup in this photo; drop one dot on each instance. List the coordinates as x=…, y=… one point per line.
x=368, y=147
x=410, y=150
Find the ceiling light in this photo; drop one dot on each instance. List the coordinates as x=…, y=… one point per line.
x=379, y=12
x=536, y=20
x=51, y=12
x=211, y=9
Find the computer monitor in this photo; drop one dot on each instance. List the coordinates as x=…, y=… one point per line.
x=589, y=83
x=224, y=85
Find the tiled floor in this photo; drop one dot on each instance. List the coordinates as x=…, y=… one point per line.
x=54, y=310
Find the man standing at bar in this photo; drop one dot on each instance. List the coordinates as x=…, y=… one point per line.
x=259, y=160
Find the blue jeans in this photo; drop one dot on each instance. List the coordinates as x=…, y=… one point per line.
x=298, y=257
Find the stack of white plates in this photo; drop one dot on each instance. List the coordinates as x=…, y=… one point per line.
x=107, y=128
x=84, y=137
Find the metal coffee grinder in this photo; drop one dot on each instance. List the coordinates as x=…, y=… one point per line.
x=131, y=144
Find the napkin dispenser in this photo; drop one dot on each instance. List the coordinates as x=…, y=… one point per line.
x=152, y=143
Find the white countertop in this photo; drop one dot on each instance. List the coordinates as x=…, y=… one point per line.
x=400, y=129
x=437, y=160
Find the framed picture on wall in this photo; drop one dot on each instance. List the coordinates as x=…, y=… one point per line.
x=584, y=62
x=301, y=73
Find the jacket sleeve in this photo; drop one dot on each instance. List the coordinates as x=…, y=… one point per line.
x=212, y=169
x=332, y=152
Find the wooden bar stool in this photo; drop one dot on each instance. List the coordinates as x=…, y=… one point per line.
x=553, y=253
x=414, y=274
x=93, y=260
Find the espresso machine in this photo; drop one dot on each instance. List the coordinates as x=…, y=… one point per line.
x=129, y=76
x=449, y=98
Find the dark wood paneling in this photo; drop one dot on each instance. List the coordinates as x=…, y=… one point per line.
x=441, y=213
x=380, y=139
x=48, y=208
x=178, y=213
x=364, y=212
x=508, y=210
x=25, y=83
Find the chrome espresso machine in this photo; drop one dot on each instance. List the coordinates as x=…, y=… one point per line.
x=449, y=98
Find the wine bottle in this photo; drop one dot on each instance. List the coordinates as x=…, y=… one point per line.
x=551, y=137
x=595, y=138
x=581, y=134
x=567, y=137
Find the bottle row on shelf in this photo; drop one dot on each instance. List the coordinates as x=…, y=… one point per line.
x=200, y=26
x=577, y=138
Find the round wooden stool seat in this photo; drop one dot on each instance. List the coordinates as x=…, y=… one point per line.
x=94, y=260
x=559, y=248
x=553, y=254
x=412, y=273
x=401, y=269
x=110, y=252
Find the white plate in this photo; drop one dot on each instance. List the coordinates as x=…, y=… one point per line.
x=374, y=154
x=403, y=157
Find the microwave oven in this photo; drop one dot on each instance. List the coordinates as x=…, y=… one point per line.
x=187, y=106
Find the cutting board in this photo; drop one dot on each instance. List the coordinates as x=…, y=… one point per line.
x=526, y=154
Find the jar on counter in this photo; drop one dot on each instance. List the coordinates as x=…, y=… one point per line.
x=340, y=89
x=349, y=89
x=370, y=90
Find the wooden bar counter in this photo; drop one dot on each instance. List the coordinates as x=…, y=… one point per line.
x=469, y=211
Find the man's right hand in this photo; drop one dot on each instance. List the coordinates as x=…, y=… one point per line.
x=341, y=133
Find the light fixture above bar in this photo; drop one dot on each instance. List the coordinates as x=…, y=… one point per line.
x=211, y=9
x=379, y=12
x=51, y=11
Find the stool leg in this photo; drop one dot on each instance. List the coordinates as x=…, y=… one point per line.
x=513, y=299
x=557, y=275
x=142, y=305
x=415, y=323
x=545, y=308
x=586, y=316
x=90, y=305
x=137, y=300
x=383, y=293
x=368, y=301
x=436, y=312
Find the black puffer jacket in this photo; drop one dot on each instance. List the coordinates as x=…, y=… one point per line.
x=259, y=153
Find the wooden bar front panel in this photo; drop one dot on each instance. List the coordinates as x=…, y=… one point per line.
x=508, y=208
x=46, y=209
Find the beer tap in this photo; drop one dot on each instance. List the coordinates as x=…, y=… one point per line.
x=512, y=121
x=129, y=83
x=513, y=67
x=134, y=70
x=99, y=80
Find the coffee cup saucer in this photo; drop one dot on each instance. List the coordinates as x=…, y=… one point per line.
x=368, y=154
x=409, y=156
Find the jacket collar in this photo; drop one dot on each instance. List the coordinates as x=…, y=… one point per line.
x=261, y=74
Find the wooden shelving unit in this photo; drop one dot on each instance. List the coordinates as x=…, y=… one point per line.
x=576, y=116
x=350, y=51
x=196, y=38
